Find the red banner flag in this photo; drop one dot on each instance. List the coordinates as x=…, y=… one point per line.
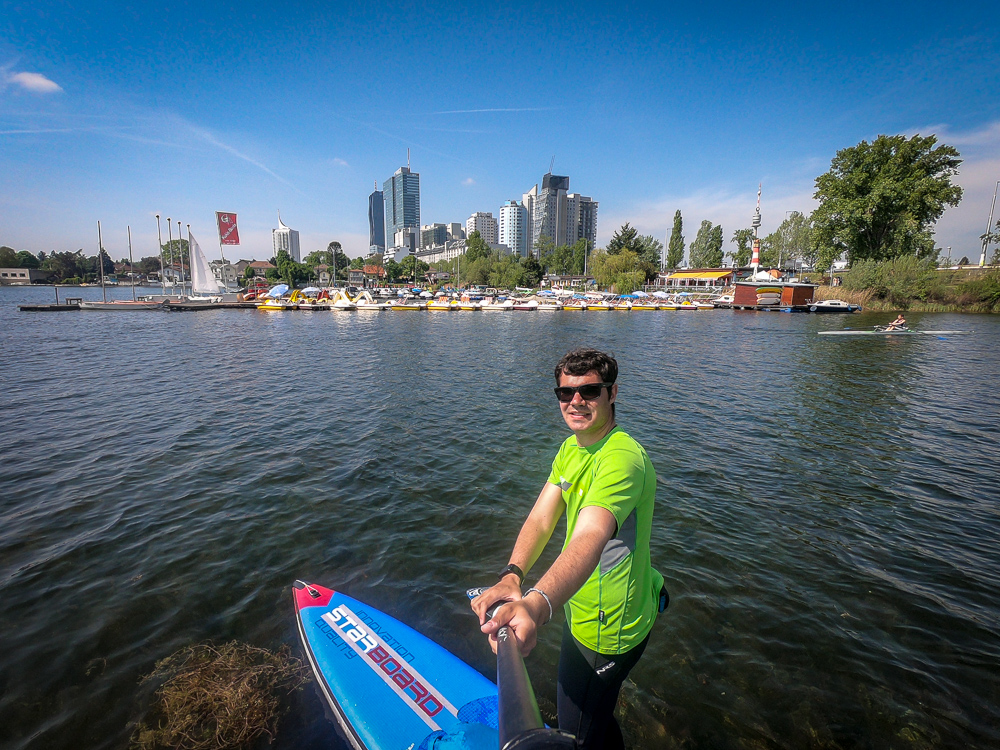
x=228, y=233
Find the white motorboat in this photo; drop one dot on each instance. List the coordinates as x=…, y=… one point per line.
x=833, y=306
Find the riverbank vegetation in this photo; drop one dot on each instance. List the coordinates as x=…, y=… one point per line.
x=915, y=284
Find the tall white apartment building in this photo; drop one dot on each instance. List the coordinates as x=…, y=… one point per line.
x=485, y=224
x=514, y=227
x=287, y=239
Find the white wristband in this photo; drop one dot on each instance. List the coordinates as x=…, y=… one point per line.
x=545, y=597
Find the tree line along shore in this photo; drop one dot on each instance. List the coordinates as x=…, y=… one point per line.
x=878, y=205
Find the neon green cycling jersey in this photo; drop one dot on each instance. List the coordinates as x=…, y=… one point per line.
x=615, y=609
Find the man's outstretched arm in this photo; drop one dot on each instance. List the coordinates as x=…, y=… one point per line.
x=531, y=540
x=594, y=528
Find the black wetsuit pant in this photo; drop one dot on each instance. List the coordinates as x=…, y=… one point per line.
x=588, y=689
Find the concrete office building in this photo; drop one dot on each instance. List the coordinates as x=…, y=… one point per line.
x=433, y=234
x=581, y=219
x=456, y=231
x=560, y=216
x=485, y=224
x=284, y=238
x=376, y=221
x=402, y=201
x=513, y=227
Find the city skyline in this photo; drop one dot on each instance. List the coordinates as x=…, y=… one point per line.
x=119, y=112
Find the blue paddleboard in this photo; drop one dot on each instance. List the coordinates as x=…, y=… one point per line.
x=389, y=687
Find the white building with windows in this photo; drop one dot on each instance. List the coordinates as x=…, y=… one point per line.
x=485, y=224
x=287, y=239
x=514, y=227
x=559, y=215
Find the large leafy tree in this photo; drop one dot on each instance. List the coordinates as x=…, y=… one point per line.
x=793, y=239
x=706, y=249
x=743, y=239
x=650, y=252
x=392, y=270
x=476, y=247
x=675, y=248
x=620, y=272
x=406, y=268
x=337, y=256
x=625, y=238
x=8, y=257
x=880, y=200
x=27, y=260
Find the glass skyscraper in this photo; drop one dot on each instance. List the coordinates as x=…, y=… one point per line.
x=376, y=221
x=402, y=201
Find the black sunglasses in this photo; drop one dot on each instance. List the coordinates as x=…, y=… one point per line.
x=588, y=392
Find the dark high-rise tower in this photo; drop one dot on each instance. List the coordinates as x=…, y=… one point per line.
x=376, y=221
x=402, y=202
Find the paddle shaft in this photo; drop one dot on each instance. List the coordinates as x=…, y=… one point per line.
x=520, y=721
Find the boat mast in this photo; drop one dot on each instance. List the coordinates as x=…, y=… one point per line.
x=100, y=260
x=159, y=239
x=131, y=265
x=179, y=245
x=989, y=227
x=170, y=244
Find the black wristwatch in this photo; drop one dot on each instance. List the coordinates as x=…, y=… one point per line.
x=512, y=568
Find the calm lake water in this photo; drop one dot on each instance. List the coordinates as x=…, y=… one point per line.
x=826, y=520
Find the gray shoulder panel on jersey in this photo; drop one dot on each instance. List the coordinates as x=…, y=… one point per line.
x=621, y=546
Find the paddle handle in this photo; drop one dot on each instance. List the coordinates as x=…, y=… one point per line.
x=520, y=722
x=517, y=706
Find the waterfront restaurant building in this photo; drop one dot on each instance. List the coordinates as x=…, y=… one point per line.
x=706, y=278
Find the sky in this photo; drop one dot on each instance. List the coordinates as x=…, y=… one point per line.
x=116, y=112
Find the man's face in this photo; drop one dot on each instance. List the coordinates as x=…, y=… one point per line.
x=587, y=418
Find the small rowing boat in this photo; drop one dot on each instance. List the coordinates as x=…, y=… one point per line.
x=896, y=332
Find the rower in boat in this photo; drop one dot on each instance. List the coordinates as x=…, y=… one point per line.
x=899, y=324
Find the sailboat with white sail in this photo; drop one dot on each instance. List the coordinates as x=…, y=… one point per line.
x=205, y=288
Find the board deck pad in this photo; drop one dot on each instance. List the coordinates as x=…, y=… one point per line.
x=389, y=687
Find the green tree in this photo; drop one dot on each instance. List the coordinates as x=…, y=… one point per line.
x=476, y=247
x=406, y=269
x=27, y=260
x=248, y=273
x=507, y=273
x=706, y=249
x=565, y=259
x=532, y=272
x=176, y=251
x=880, y=200
x=149, y=264
x=791, y=240
x=393, y=270
x=8, y=257
x=650, y=251
x=357, y=263
x=743, y=239
x=67, y=265
x=675, y=248
x=621, y=272
x=337, y=257
x=625, y=238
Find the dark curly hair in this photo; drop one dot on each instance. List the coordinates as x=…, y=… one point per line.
x=581, y=361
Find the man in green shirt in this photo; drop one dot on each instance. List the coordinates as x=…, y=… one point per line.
x=604, y=482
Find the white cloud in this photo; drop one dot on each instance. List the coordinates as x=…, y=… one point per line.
x=468, y=182
x=341, y=163
x=35, y=82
